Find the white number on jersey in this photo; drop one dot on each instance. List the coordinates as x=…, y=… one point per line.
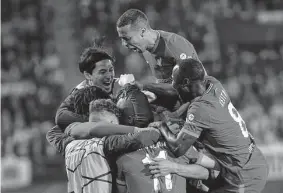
x=168, y=177
x=237, y=117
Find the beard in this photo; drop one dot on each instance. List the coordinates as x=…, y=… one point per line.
x=185, y=96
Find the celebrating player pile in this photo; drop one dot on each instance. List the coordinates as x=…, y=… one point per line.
x=210, y=148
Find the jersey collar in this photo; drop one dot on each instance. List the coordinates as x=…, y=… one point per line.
x=209, y=86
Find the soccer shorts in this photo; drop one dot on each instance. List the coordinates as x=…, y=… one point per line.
x=249, y=179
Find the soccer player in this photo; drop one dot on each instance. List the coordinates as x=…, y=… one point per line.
x=97, y=66
x=87, y=160
x=134, y=171
x=161, y=50
x=213, y=118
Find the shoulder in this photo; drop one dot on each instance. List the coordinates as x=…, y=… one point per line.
x=199, y=111
x=129, y=157
x=175, y=39
x=70, y=127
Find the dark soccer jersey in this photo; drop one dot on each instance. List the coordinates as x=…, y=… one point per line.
x=224, y=132
x=168, y=51
x=136, y=176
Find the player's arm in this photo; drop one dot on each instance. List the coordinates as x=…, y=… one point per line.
x=180, y=144
x=101, y=129
x=192, y=171
x=160, y=89
x=162, y=167
x=58, y=139
x=65, y=114
x=120, y=144
x=196, y=120
x=193, y=156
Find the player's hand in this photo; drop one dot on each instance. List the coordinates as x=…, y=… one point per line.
x=140, y=85
x=150, y=96
x=156, y=124
x=125, y=79
x=173, y=127
x=162, y=167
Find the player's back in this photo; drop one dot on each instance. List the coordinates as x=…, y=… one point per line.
x=133, y=171
x=225, y=133
x=87, y=168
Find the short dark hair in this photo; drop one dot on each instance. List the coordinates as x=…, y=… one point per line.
x=131, y=16
x=108, y=105
x=94, y=54
x=84, y=96
x=191, y=69
x=90, y=56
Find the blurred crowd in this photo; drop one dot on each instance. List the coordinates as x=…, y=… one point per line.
x=32, y=77
x=31, y=80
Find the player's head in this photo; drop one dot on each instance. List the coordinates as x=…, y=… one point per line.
x=188, y=78
x=97, y=67
x=83, y=97
x=104, y=110
x=132, y=28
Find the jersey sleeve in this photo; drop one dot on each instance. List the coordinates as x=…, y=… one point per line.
x=197, y=119
x=180, y=48
x=66, y=115
x=193, y=127
x=58, y=139
x=116, y=145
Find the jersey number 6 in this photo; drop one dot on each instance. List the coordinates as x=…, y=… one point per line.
x=237, y=117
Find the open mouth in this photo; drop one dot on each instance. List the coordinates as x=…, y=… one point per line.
x=107, y=84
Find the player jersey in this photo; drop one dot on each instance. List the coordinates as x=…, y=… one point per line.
x=167, y=52
x=135, y=175
x=87, y=167
x=223, y=131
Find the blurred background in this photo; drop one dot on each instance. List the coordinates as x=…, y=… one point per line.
x=239, y=42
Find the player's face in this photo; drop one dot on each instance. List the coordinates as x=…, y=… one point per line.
x=104, y=116
x=102, y=75
x=132, y=38
x=182, y=89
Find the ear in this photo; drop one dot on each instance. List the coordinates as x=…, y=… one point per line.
x=186, y=81
x=87, y=75
x=143, y=31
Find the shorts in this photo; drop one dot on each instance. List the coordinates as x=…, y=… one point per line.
x=249, y=179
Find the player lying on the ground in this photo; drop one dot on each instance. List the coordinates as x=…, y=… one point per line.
x=87, y=161
x=223, y=132
x=161, y=50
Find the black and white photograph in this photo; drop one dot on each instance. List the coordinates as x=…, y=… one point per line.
x=141, y=96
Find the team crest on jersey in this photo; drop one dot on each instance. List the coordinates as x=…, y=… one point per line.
x=190, y=118
x=183, y=56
